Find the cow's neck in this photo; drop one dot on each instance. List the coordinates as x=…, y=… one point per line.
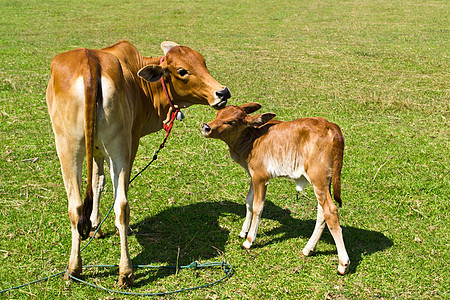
x=157, y=104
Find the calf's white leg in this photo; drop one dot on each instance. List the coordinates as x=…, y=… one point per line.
x=330, y=213
x=249, y=212
x=260, y=189
x=318, y=229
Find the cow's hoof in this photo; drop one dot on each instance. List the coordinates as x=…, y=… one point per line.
x=126, y=281
x=98, y=235
x=73, y=273
x=343, y=269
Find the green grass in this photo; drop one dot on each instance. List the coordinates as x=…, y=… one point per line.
x=379, y=69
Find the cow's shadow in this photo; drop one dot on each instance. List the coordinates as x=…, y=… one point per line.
x=181, y=235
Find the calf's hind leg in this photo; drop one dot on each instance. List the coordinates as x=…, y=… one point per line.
x=330, y=213
x=315, y=237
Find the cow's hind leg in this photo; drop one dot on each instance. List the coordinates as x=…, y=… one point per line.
x=98, y=185
x=71, y=158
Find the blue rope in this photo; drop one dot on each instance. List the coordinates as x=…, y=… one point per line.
x=227, y=269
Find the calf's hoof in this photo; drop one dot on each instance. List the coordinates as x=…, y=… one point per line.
x=247, y=245
x=343, y=268
x=126, y=281
x=243, y=235
x=307, y=252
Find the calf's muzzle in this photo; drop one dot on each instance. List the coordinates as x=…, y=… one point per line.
x=206, y=129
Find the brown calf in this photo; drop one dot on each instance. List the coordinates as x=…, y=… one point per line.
x=308, y=150
x=101, y=101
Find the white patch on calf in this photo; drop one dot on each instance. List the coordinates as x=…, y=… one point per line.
x=288, y=165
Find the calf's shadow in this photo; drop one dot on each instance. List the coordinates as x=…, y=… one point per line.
x=181, y=235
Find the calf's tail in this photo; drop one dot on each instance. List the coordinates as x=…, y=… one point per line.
x=338, y=157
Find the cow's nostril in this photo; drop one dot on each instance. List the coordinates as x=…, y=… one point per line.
x=223, y=94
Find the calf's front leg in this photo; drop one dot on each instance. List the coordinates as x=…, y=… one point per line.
x=259, y=189
x=249, y=212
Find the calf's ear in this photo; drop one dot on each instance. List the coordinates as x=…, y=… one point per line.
x=251, y=107
x=259, y=120
x=152, y=73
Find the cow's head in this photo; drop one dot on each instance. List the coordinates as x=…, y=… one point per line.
x=187, y=77
x=232, y=120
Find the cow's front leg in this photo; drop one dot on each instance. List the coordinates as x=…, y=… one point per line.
x=259, y=186
x=249, y=212
x=122, y=212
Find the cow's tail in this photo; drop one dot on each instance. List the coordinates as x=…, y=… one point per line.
x=338, y=157
x=93, y=93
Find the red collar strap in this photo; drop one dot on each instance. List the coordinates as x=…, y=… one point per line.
x=168, y=126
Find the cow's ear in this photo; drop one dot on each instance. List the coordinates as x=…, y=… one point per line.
x=152, y=73
x=251, y=107
x=259, y=120
x=166, y=46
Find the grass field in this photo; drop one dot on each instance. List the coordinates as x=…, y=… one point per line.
x=379, y=69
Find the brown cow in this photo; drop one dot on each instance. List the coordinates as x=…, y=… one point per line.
x=308, y=150
x=100, y=103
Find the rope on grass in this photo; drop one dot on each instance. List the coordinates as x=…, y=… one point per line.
x=227, y=268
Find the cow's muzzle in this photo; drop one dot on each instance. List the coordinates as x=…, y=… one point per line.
x=222, y=96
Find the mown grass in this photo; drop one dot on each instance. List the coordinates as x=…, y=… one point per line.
x=378, y=69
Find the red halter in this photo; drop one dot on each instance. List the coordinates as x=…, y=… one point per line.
x=169, y=125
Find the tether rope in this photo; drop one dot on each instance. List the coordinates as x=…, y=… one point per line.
x=226, y=267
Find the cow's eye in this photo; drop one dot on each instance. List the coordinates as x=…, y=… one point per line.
x=182, y=72
x=231, y=123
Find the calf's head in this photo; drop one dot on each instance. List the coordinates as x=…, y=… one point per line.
x=187, y=77
x=232, y=120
